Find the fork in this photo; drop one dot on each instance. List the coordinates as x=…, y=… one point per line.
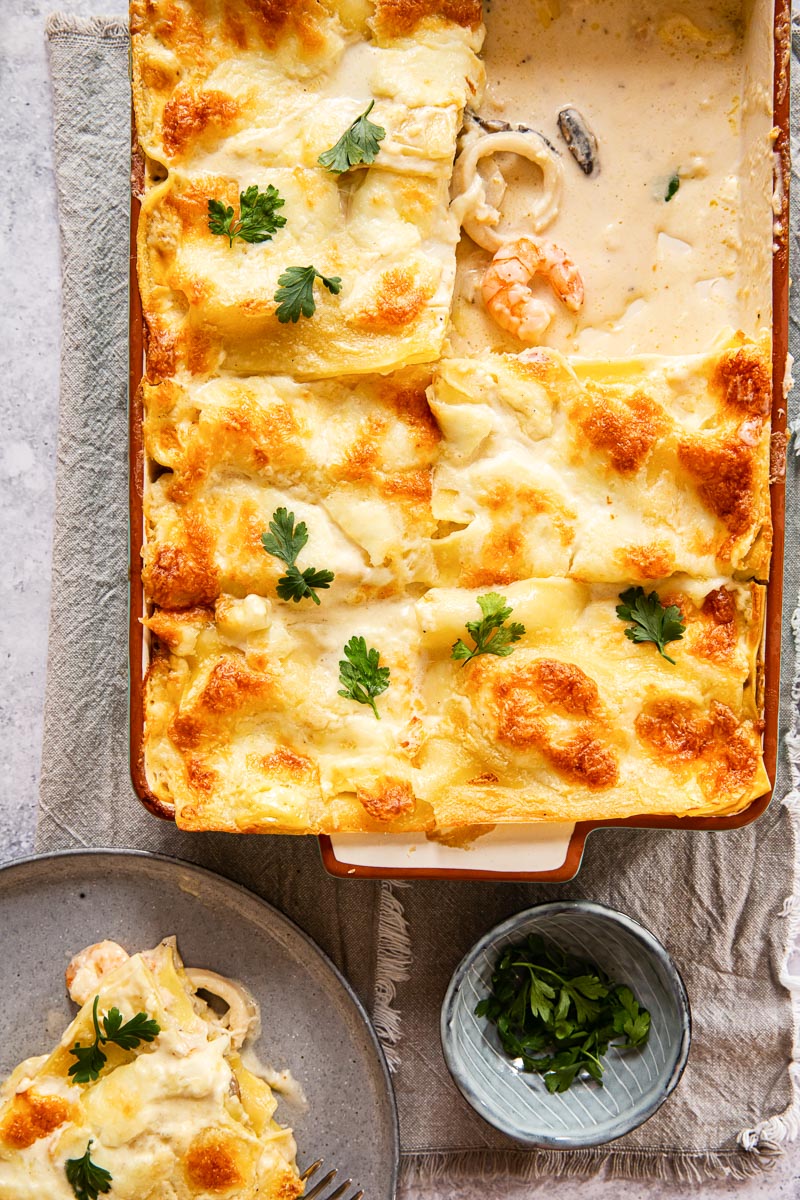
x=320, y=1186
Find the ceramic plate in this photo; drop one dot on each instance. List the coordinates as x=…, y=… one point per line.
x=53, y=906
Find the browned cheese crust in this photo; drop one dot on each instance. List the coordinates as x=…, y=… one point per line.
x=424, y=481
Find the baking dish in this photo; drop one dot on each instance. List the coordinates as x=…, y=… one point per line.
x=532, y=851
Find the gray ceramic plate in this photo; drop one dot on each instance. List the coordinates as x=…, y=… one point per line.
x=52, y=906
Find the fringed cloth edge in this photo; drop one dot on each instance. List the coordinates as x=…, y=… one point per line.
x=523, y=1166
x=61, y=24
x=392, y=966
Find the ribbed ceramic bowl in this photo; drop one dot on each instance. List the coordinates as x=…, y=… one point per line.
x=635, y=1083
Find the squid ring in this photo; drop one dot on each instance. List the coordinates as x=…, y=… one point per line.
x=472, y=207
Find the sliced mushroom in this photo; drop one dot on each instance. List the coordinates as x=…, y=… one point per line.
x=581, y=142
x=495, y=125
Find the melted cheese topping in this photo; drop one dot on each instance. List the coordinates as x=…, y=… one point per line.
x=353, y=459
x=179, y=1117
x=230, y=96
x=575, y=723
x=603, y=470
x=560, y=480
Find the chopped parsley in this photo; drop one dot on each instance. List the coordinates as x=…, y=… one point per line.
x=86, y=1179
x=491, y=635
x=285, y=540
x=361, y=677
x=257, y=220
x=358, y=144
x=295, y=294
x=558, y=1015
x=91, y=1059
x=651, y=621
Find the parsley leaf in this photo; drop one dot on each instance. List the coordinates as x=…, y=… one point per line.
x=629, y=1018
x=295, y=294
x=558, y=1015
x=491, y=635
x=359, y=674
x=86, y=1179
x=652, y=622
x=285, y=540
x=91, y=1059
x=358, y=144
x=140, y=1028
x=257, y=220
x=672, y=187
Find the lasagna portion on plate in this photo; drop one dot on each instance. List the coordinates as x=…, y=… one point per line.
x=252, y=726
x=237, y=97
x=145, y=1096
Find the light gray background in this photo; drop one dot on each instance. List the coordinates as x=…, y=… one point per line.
x=29, y=369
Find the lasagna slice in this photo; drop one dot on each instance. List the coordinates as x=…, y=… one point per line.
x=603, y=471
x=168, y=1110
x=248, y=729
x=351, y=458
x=581, y=723
x=230, y=97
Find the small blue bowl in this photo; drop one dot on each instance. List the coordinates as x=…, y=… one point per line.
x=636, y=1082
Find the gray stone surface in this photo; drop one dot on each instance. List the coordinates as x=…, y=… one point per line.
x=29, y=350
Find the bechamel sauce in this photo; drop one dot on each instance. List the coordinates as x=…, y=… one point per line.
x=666, y=88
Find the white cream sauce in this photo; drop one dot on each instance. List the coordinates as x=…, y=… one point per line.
x=663, y=86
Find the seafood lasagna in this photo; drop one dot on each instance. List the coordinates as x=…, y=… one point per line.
x=456, y=412
x=145, y=1095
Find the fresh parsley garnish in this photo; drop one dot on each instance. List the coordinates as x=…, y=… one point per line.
x=86, y=1179
x=257, y=220
x=359, y=674
x=358, y=144
x=652, y=622
x=91, y=1059
x=672, y=187
x=285, y=540
x=295, y=294
x=558, y=1015
x=491, y=635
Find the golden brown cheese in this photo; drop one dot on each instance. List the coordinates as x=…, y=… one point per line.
x=352, y=458
x=179, y=1116
x=279, y=80
x=558, y=481
x=247, y=731
x=229, y=96
x=604, y=471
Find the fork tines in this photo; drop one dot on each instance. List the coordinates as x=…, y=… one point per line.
x=322, y=1184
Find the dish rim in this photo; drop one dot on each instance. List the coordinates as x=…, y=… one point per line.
x=653, y=945
x=769, y=660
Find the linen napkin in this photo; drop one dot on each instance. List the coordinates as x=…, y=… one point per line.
x=722, y=903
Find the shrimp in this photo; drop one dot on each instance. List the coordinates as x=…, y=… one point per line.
x=84, y=973
x=507, y=294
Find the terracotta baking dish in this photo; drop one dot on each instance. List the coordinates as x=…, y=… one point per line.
x=771, y=647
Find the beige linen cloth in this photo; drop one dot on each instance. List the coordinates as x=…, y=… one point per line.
x=722, y=903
